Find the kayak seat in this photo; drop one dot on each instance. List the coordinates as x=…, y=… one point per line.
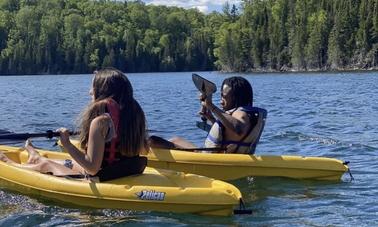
x=257, y=117
x=124, y=167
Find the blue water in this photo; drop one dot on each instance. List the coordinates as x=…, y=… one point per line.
x=316, y=114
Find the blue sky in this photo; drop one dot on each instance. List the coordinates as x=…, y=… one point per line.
x=205, y=6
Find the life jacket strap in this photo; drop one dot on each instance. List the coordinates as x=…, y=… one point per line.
x=114, y=112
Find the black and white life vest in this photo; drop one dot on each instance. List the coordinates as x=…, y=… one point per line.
x=247, y=144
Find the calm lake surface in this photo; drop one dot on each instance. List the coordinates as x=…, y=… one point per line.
x=317, y=114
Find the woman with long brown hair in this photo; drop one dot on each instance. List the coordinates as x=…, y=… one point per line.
x=112, y=134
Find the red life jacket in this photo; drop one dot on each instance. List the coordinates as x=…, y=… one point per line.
x=114, y=165
x=110, y=152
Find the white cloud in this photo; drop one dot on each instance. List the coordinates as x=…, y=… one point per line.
x=203, y=9
x=201, y=5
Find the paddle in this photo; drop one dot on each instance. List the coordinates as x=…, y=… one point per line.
x=207, y=88
x=203, y=85
x=23, y=136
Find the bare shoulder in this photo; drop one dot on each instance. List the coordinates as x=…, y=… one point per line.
x=101, y=123
x=102, y=119
x=240, y=115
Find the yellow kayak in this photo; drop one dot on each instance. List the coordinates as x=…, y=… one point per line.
x=154, y=190
x=235, y=166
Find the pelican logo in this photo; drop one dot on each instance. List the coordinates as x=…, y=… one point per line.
x=151, y=195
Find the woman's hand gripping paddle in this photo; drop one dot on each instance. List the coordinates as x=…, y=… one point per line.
x=207, y=88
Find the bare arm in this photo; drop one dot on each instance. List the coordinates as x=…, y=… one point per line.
x=237, y=123
x=92, y=159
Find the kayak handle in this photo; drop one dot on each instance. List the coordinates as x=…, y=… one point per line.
x=350, y=173
x=242, y=209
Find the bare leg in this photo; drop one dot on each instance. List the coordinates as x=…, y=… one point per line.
x=5, y=159
x=158, y=142
x=176, y=142
x=182, y=143
x=34, y=156
x=45, y=165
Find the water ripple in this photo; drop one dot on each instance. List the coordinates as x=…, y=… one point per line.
x=317, y=114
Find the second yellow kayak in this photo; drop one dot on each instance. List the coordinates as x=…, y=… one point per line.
x=235, y=166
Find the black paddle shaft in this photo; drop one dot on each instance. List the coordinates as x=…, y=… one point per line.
x=23, y=136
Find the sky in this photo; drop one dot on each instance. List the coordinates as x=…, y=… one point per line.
x=205, y=6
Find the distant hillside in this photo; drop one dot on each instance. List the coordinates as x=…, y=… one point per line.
x=79, y=36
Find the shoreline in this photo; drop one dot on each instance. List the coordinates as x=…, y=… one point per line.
x=263, y=71
x=289, y=71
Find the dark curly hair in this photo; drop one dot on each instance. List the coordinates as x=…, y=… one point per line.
x=241, y=91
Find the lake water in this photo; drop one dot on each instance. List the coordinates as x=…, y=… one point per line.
x=313, y=114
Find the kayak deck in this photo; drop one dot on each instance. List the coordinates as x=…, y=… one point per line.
x=154, y=190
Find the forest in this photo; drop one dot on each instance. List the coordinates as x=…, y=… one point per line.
x=80, y=36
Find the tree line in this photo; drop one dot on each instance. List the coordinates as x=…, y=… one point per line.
x=79, y=36
x=300, y=35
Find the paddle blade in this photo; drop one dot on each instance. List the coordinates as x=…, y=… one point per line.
x=203, y=85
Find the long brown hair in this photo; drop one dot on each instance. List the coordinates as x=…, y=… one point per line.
x=132, y=132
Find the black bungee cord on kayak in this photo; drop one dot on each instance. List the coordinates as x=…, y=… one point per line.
x=242, y=209
x=350, y=173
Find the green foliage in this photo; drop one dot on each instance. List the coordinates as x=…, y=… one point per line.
x=315, y=47
x=9, y=5
x=79, y=36
x=342, y=41
x=299, y=35
x=228, y=48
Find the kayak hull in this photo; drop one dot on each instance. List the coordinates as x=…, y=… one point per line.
x=154, y=190
x=235, y=166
